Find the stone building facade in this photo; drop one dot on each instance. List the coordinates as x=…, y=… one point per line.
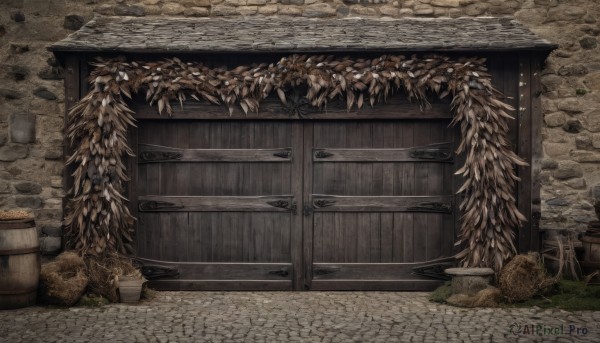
x=32, y=97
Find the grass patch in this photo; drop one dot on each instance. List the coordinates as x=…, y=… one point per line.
x=567, y=295
x=440, y=294
x=92, y=301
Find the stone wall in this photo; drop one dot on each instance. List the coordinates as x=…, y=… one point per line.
x=32, y=99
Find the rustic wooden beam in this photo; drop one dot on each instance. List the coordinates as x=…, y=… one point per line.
x=267, y=203
x=440, y=152
x=335, y=203
x=148, y=153
x=524, y=151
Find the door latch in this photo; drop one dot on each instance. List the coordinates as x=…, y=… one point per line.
x=307, y=210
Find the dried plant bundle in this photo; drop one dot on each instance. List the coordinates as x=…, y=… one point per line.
x=99, y=220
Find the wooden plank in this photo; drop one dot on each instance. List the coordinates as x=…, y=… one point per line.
x=308, y=137
x=524, y=151
x=221, y=285
x=397, y=107
x=376, y=285
x=420, y=228
x=536, y=149
x=366, y=271
x=72, y=96
x=224, y=271
x=439, y=152
x=294, y=239
x=160, y=154
x=334, y=203
x=267, y=203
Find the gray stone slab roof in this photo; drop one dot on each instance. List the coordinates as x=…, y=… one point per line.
x=287, y=34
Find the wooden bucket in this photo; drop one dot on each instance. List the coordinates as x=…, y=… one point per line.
x=19, y=263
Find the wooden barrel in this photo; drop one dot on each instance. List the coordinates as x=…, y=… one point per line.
x=19, y=263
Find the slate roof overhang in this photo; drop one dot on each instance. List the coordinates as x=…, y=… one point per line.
x=296, y=35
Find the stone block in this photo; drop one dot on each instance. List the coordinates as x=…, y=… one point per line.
x=133, y=10
x=3, y=138
x=572, y=70
x=51, y=73
x=567, y=170
x=578, y=183
x=18, y=48
x=476, y=9
x=566, y=12
x=257, y=2
x=17, y=16
x=445, y=3
x=5, y=187
x=592, y=120
x=29, y=201
x=556, y=149
x=596, y=140
x=555, y=119
x=389, y=11
x=193, y=3
x=246, y=10
x=267, y=10
x=319, y=11
x=27, y=187
x=596, y=192
x=573, y=126
x=51, y=245
x=588, y=43
x=10, y=94
x=17, y=72
x=423, y=10
x=547, y=164
x=197, y=12
x=551, y=82
x=583, y=141
x=584, y=156
x=13, y=152
x=152, y=10
x=172, y=8
x=343, y=11
x=236, y=2
x=44, y=93
x=363, y=11
x=558, y=202
x=73, y=22
x=56, y=182
x=570, y=105
x=289, y=10
x=22, y=127
x=222, y=10
x=52, y=230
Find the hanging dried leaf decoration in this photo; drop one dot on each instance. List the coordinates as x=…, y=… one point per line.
x=99, y=221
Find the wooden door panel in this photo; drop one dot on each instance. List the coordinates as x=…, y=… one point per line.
x=382, y=200
x=216, y=202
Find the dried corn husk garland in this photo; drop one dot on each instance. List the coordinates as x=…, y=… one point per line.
x=99, y=219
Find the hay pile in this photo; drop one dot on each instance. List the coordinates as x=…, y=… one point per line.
x=524, y=277
x=104, y=272
x=64, y=280
x=487, y=297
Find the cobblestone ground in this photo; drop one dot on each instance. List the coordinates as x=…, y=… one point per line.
x=301, y=317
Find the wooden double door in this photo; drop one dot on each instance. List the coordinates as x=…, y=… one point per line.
x=294, y=204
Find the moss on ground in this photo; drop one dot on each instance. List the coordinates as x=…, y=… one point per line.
x=567, y=295
x=92, y=301
x=440, y=294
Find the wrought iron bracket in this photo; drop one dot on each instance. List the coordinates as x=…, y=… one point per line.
x=323, y=203
x=158, y=205
x=322, y=154
x=283, y=272
x=430, y=154
x=431, y=207
x=159, y=156
x=283, y=154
